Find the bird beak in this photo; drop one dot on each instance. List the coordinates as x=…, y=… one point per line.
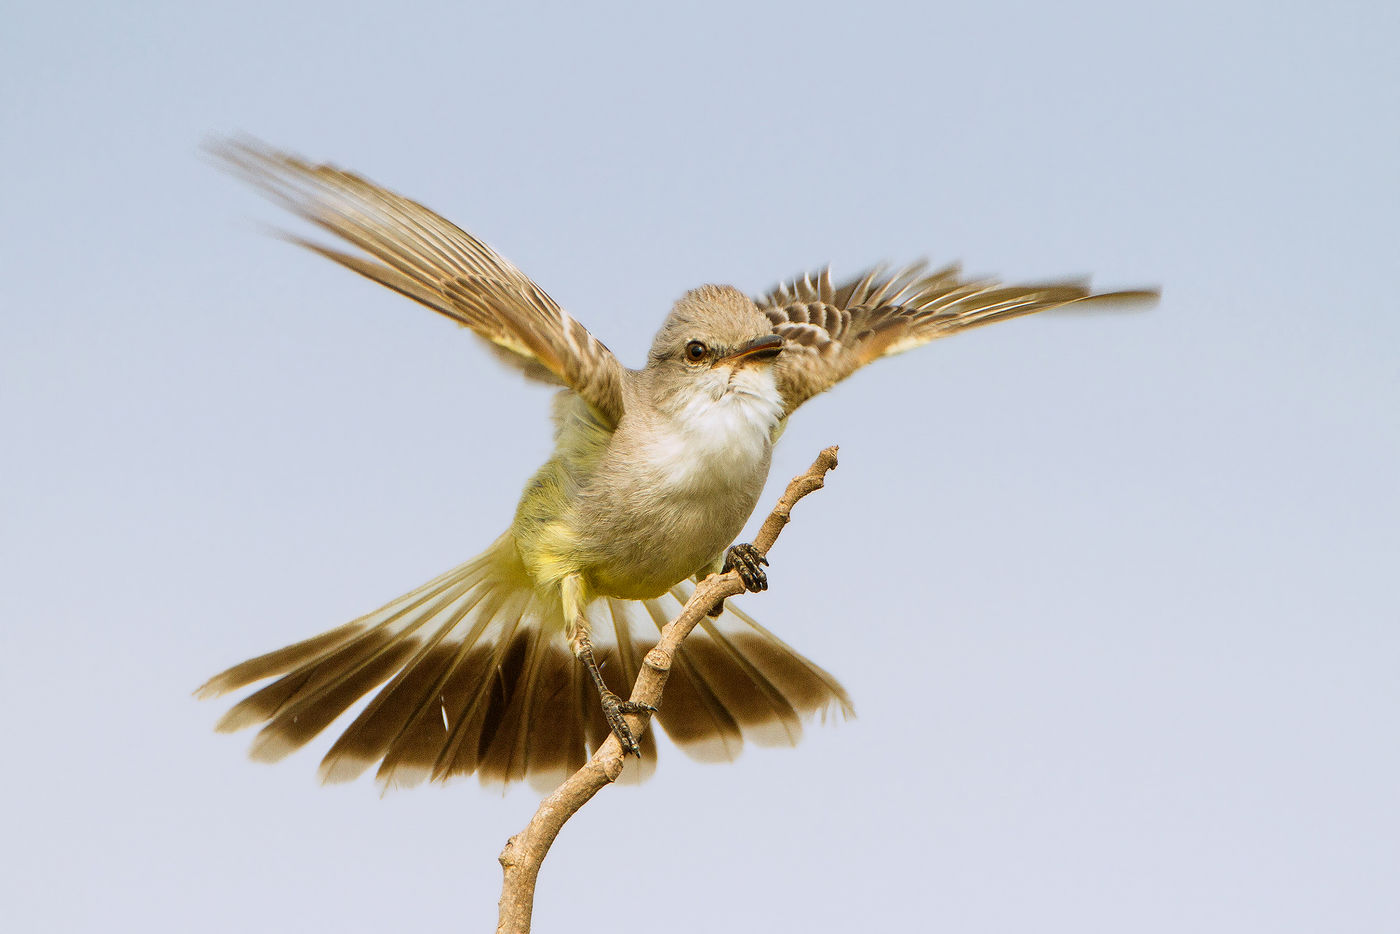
x=762, y=348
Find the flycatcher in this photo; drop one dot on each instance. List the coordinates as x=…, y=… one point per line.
x=511, y=665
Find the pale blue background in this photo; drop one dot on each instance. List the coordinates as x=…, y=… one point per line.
x=1116, y=596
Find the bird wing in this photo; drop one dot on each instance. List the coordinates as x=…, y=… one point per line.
x=422, y=255
x=830, y=331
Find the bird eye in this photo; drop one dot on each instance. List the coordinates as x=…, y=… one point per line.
x=695, y=351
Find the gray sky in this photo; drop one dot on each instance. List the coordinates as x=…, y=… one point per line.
x=1115, y=596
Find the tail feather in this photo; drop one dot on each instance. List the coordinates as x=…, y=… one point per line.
x=765, y=715
x=455, y=706
x=298, y=654
x=303, y=703
x=630, y=650
x=276, y=663
x=316, y=700
x=484, y=739
x=693, y=713
x=554, y=734
x=477, y=677
x=767, y=685
x=807, y=686
x=481, y=691
x=405, y=714
x=760, y=708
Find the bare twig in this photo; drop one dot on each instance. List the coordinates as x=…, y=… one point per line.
x=525, y=852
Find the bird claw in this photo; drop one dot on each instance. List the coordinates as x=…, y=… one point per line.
x=749, y=562
x=613, y=709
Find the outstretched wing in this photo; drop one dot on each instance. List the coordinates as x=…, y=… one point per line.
x=830, y=331
x=422, y=255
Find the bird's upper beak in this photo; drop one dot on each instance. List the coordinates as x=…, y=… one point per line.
x=760, y=348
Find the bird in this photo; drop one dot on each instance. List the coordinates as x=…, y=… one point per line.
x=512, y=666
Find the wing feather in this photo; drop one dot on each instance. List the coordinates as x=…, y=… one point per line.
x=420, y=254
x=830, y=331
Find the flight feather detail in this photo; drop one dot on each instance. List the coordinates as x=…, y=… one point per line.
x=422, y=255
x=829, y=331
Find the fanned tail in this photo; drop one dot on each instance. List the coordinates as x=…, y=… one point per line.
x=733, y=680
x=475, y=676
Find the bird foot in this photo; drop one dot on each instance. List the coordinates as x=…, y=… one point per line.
x=749, y=562
x=613, y=709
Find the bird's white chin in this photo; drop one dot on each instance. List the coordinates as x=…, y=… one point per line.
x=733, y=420
x=758, y=381
x=755, y=389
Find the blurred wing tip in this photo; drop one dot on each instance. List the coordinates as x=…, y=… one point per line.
x=1151, y=294
x=242, y=153
x=243, y=149
x=1135, y=299
x=225, y=147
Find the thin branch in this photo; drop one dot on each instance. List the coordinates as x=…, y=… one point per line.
x=525, y=852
